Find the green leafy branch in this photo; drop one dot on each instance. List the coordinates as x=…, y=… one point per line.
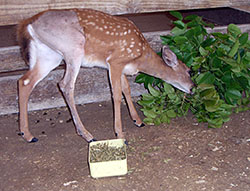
x=220, y=65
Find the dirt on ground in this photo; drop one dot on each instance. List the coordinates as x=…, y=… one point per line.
x=183, y=155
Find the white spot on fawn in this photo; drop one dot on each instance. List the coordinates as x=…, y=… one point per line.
x=91, y=23
x=129, y=50
x=26, y=82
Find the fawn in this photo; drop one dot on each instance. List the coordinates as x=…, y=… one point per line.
x=90, y=38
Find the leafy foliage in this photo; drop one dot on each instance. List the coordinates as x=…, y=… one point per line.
x=220, y=65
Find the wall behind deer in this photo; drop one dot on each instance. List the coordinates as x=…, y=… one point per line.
x=12, y=11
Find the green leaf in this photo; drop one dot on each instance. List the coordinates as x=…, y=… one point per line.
x=176, y=31
x=149, y=113
x=147, y=103
x=203, y=87
x=157, y=121
x=166, y=39
x=216, y=62
x=179, y=24
x=168, y=88
x=243, y=39
x=147, y=97
x=234, y=49
x=164, y=118
x=180, y=39
x=171, y=113
x=212, y=105
x=149, y=121
x=215, y=123
x=198, y=30
x=234, y=30
x=148, y=80
x=227, y=77
x=190, y=34
x=140, y=78
x=208, y=42
x=200, y=38
x=190, y=17
x=210, y=25
x=172, y=96
x=229, y=61
x=208, y=94
x=203, y=52
x=226, y=48
x=243, y=81
x=220, y=35
x=205, y=78
x=227, y=106
x=176, y=14
x=192, y=23
x=233, y=94
x=153, y=91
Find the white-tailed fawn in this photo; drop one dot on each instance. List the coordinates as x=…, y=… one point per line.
x=89, y=38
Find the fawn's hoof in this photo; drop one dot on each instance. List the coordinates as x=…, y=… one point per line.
x=20, y=134
x=33, y=140
x=141, y=125
x=126, y=142
x=92, y=140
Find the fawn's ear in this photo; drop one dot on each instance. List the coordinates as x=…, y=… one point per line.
x=169, y=57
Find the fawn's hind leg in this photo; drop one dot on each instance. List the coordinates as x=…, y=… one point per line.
x=67, y=86
x=42, y=61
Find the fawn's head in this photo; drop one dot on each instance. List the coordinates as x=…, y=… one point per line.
x=180, y=75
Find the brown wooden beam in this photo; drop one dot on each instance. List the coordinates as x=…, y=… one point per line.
x=12, y=11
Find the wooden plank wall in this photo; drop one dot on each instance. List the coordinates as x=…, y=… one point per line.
x=12, y=11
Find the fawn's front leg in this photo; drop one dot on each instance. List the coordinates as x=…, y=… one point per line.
x=115, y=80
x=127, y=93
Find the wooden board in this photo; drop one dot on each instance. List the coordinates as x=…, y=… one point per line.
x=12, y=11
